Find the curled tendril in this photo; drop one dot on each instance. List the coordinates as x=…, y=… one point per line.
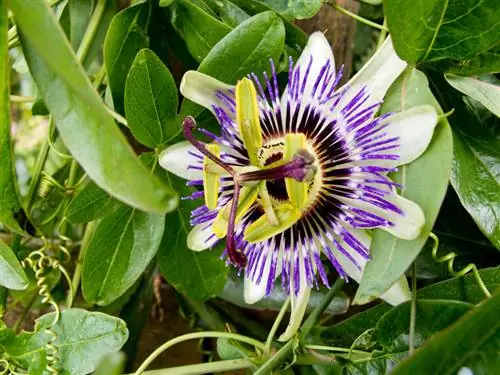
x=41, y=263
x=450, y=258
x=4, y=367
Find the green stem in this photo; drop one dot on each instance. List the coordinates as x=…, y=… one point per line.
x=313, y=318
x=3, y=301
x=383, y=34
x=335, y=349
x=89, y=231
x=207, y=314
x=194, y=336
x=355, y=16
x=91, y=31
x=204, y=368
x=27, y=308
x=413, y=311
x=280, y=356
x=274, y=328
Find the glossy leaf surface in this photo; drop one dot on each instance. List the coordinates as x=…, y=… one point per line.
x=391, y=256
x=83, y=122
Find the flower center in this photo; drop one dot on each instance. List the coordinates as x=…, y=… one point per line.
x=271, y=153
x=276, y=188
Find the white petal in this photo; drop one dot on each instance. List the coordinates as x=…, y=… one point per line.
x=414, y=129
x=319, y=49
x=201, y=89
x=201, y=237
x=377, y=75
x=178, y=158
x=397, y=293
x=298, y=302
x=253, y=292
x=406, y=226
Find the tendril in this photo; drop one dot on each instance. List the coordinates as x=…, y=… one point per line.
x=450, y=258
x=41, y=264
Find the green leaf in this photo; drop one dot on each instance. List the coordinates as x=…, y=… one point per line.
x=126, y=36
x=151, y=100
x=432, y=316
x=10, y=207
x=391, y=333
x=473, y=342
x=228, y=12
x=199, y=275
x=476, y=177
x=487, y=62
x=198, y=28
x=425, y=182
x=246, y=49
x=111, y=364
x=121, y=248
x=83, y=121
x=80, y=13
x=90, y=203
x=441, y=30
x=294, y=9
x=487, y=92
x=465, y=289
x=83, y=338
x=12, y=275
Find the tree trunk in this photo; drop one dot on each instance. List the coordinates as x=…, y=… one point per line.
x=338, y=28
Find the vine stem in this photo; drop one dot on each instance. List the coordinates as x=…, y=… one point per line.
x=335, y=349
x=383, y=34
x=277, y=359
x=89, y=231
x=194, y=336
x=274, y=328
x=313, y=318
x=204, y=368
x=356, y=17
x=413, y=310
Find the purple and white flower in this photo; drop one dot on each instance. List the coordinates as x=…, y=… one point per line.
x=351, y=151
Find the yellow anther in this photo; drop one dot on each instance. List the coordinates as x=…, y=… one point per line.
x=297, y=191
x=260, y=229
x=248, y=195
x=247, y=118
x=211, y=180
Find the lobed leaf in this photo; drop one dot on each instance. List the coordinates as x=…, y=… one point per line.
x=83, y=338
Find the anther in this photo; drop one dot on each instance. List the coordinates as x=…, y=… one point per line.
x=236, y=257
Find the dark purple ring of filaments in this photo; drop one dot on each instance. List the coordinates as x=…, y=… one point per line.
x=298, y=168
x=343, y=144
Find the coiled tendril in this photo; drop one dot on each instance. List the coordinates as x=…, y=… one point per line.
x=41, y=264
x=450, y=258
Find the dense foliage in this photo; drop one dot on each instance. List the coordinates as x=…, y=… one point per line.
x=91, y=226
